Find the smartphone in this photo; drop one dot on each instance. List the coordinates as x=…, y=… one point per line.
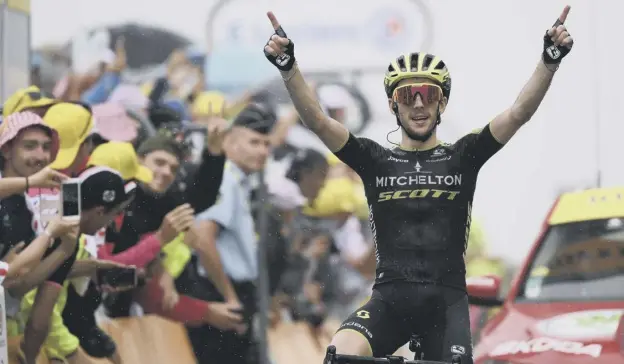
x=118, y=277
x=71, y=199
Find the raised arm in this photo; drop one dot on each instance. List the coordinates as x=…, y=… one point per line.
x=557, y=44
x=280, y=51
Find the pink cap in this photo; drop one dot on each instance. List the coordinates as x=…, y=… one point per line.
x=113, y=123
x=129, y=96
x=13, y=124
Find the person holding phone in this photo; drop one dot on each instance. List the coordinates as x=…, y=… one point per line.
x=156, y=220
x=93, y=199
x=78, y=314
x=27, y=146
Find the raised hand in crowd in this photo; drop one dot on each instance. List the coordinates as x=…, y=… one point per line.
x=47, y=178
x=121, y=58
x=216, y=135
x=176, y=221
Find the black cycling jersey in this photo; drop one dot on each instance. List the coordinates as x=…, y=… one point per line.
x=420, y=204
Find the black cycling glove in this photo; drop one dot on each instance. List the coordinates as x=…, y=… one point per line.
x=286, y=60
x=553, y=54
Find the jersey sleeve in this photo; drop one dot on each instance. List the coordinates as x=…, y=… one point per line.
x=479, y=146
x=361, y=154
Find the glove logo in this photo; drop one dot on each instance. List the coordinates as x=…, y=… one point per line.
x=283, y=59
x=553, y=52
x=458, y=349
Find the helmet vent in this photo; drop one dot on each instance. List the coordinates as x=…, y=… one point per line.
x=427, y=62
x=414, y=62
x=440, y=66
x=401, y=63
x=391, y=69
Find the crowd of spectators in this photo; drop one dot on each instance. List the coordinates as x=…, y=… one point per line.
x=171, y=189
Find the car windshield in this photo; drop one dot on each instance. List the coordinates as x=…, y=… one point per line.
x=580, y=261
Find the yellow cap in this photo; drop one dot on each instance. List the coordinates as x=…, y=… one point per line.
x=26, y=98
x=73, y=123
x=361, y=203
x=121, y=157
x=337, y=196
x=209, y=103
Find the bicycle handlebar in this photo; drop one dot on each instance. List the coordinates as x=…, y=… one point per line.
x=332, y=358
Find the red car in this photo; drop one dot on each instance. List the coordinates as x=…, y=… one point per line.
x=566, y=305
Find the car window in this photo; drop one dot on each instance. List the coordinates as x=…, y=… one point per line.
x=580, y=261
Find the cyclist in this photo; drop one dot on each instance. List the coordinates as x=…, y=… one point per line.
x=420, y=196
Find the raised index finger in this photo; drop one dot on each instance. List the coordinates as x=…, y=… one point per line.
x=273, y=20
x=564, y=14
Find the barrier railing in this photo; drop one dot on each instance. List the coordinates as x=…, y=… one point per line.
x=155, y=340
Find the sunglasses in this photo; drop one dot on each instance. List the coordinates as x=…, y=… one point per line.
x=33, y=96
x=407, y=94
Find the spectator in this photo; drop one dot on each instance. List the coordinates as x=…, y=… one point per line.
x=28, y=99
x=78, y=314
x=27, y=145
x=95, y=84
x=113, y=124
x=104, y=196
x=228, y=246
x=157, y=220
x=73, y=123
x=289, y=195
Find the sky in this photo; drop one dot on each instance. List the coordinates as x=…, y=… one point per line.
x=491, y=57
x=51, y=23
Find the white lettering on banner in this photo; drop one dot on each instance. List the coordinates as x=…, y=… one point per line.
x=371, y=32
x=391, y=181
x=584, y=325
x=544, y=344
